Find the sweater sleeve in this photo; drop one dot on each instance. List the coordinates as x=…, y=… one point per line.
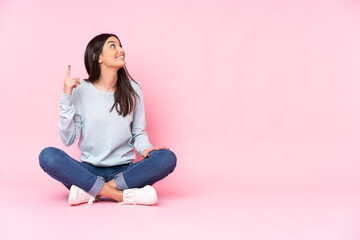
x=138, y=126
x=70, y=121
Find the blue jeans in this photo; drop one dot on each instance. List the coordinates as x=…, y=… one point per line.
x=60, y=166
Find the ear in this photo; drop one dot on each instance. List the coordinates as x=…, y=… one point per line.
x=100, y=60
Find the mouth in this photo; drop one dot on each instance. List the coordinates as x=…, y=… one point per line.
x=120, y=57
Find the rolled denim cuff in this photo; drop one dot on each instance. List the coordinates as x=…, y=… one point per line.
x=96, y=188
x=120, y=181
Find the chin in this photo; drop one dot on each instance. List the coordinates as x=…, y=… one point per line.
x=121, y=65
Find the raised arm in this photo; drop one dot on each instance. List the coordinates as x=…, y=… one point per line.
x=70, y=120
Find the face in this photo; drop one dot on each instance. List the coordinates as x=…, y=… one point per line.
x=112, y=55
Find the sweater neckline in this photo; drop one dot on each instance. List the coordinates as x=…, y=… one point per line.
x=98, y=90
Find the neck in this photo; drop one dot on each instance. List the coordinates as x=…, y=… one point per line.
x=107, y=80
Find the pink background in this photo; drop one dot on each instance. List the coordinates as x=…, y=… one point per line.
x=259, y=100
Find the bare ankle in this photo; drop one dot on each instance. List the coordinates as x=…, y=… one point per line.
x=112, y=183
x=120, y=199
x=109, y=191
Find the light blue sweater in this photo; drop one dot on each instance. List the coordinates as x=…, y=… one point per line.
x=106, y=139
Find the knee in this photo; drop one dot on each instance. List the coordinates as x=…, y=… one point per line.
x=169, y=159
x=46, y=160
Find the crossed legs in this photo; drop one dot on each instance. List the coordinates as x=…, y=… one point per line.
x=60, y=166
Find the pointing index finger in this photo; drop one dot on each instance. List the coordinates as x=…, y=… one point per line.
x=68, y=71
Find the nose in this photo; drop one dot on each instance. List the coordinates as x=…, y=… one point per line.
x=120, y=49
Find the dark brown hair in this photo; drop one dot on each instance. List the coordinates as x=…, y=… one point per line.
x=125, y=95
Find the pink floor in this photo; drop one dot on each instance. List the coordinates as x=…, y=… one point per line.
x=226, y=212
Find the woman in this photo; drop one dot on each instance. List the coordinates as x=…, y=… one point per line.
x=107, y=112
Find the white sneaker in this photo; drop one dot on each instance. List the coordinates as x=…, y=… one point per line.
x=77, y=196
x=144, y=196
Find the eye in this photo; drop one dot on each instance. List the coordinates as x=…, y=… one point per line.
x=114, y=45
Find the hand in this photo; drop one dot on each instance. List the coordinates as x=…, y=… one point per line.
x=70, y=82
x=146, y=152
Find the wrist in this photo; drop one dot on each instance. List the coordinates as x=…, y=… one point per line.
x=67, y=91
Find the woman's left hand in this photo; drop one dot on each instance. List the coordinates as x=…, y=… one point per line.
x=146, y=152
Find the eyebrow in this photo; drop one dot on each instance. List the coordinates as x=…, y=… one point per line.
x=111, y=42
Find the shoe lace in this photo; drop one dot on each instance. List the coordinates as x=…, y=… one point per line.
x=127, y=198
x=91, y=200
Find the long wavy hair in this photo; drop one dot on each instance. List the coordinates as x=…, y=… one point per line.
x=125, y=95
